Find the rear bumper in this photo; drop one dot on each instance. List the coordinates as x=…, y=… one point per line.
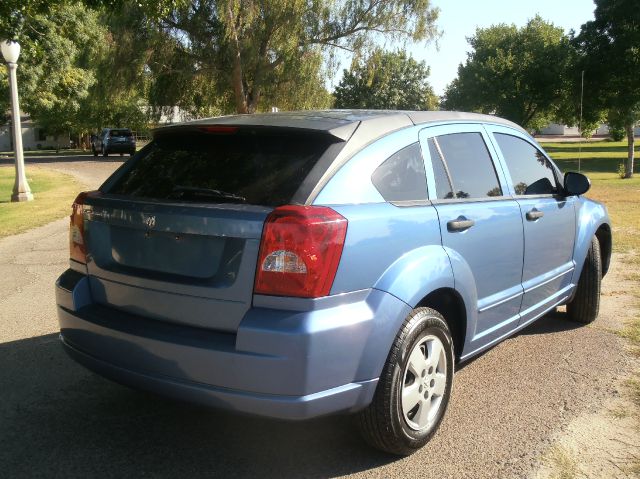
x=310, y=359
x=120, y=148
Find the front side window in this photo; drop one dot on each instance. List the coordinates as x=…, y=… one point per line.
x=463, y=167
x=401, y=177
x=531, y=171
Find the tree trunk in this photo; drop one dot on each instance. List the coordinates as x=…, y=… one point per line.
x=236, y=77
x=628, y=170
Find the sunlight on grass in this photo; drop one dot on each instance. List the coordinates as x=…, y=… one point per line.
x=622, y=197
x=53, y=194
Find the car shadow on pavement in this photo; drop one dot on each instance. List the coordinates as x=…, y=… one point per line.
x=553, y=322
x=58, y=419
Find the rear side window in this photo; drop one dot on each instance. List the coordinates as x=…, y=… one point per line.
x=531, y=171
x=401, y=177
x=244, y=166
x=463, y=167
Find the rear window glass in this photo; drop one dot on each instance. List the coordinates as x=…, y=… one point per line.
x=253, y=167
x=120, y=133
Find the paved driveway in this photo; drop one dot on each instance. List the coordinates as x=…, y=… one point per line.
x=57, y=419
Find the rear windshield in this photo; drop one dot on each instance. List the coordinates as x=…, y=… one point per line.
x=247, y=166
x=120, y=133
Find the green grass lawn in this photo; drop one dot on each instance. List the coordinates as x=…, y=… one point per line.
x=53, y=194
x=599, y=161
x=594, y=156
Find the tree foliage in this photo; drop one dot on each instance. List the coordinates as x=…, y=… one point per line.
x=518, y=73
x=55, y=70
x=93, y=63
x=609, y=49
x=252, y=45
x=386, y=80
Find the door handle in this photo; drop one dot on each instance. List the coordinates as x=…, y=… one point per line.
x=460, y=224
x=534, y=214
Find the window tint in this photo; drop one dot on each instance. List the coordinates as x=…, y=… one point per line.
x=467, y=160
x=401, y=177
x=247, y=166
x=531, y=171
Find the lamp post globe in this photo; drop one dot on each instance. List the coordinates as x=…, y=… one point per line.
x=11, y=52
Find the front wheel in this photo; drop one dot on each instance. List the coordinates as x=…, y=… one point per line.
x=415, y=386
x=585, y=305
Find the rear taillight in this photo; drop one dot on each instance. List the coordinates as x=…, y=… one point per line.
x=300, y=251
x=77, y=245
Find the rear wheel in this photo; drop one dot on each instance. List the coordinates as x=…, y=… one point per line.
x=585, y=305
x=93, y=149
x=414, y=388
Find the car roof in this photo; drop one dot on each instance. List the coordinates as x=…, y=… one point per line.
x=343, y=123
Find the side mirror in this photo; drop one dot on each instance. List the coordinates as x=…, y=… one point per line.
x=576, y=183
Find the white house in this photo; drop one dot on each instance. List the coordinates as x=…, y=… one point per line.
x=33, y=138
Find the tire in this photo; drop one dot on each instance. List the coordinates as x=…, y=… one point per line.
x=95, y=153
x=392, y=424
x=104, y=151
x=585, y=305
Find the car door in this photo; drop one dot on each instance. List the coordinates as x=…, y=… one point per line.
x=548, y=218
x=480, y=224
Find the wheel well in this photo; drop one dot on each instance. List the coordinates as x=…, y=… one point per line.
x=604, y=238
x=449, y=304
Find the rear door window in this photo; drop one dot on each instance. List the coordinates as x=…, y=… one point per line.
x=402, y=177
x=463, y=167
x=531, y=171
x=243, y=166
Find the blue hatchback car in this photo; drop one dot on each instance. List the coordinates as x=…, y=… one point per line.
x=293, y=265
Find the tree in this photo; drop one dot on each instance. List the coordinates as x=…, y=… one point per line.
x=386, y=80
x=518, y=73
x=610, y=56
x=56, y=66
x=251, y=45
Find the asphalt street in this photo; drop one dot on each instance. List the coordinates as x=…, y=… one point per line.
x=59, y=420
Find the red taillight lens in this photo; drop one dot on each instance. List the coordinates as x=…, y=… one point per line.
x=77, y=246
x=300, y=251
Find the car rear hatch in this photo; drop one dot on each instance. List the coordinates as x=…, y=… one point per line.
x=121, y=137
x=174, y=234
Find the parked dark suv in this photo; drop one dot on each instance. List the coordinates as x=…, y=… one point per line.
x=298, y=264
x=113, y=140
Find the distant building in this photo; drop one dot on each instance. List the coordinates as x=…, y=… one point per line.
x=565, y=130
x=33, y=137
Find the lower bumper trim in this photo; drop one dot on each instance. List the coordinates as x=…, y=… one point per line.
x=346, y=398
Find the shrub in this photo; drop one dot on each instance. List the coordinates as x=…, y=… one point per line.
x=616, y=133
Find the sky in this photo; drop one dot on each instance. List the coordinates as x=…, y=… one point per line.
x=460, y=18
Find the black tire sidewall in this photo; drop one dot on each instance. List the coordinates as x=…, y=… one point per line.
x=424, y=323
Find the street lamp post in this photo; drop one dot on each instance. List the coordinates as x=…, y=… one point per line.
x=21, y=190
